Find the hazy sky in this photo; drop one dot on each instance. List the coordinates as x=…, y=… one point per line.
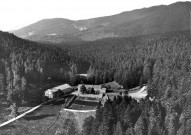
x=15, y=14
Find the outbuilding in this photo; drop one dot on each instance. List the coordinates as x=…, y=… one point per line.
x=59, y=90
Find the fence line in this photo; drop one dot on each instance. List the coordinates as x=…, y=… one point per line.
x=71, y=110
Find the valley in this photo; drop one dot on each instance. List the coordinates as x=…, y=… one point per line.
x=48, y=118
x=124, y=74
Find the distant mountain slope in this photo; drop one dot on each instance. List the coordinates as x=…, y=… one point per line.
x=157, y=19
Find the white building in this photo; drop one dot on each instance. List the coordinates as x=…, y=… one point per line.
x=50, y=93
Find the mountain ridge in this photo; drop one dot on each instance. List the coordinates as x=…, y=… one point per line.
x=156, y=19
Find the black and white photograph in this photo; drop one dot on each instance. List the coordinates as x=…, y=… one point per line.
x=95, y=67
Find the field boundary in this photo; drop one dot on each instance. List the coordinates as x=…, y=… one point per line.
x=71, y=110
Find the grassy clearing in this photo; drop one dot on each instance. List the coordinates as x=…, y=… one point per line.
x=43, y=119
x=4, y=112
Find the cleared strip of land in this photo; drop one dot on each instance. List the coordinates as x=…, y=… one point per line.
x=20, y=116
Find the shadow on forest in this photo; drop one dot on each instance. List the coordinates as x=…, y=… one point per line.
x=37, y=117
x=57, y=102
x=7, y=127
x=3, y=106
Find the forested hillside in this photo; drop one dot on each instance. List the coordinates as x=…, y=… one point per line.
x=156, y=19
x=27, y=66
x=160, y=60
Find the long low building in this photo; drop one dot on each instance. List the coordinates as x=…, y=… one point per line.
x=51, y=93
x=98, y=91
x=95, y=87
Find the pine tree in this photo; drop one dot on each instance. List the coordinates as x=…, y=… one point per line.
x=74, y=69
x=88, y=125
x=170, y=122
x=152, y=122
x=103, y=128
x=72, y=78
x=139, y=126
x=118, y=129
x=9, y=84
x=24, y=91
x=127, y=121
x=70, y=127
x=130, y=131
x=2, y=84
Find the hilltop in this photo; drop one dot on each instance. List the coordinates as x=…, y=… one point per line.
x=156, y=19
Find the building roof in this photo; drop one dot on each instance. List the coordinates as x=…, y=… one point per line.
x=113, y=85
x=49, y=92
x=91, y=86
x=62, y=87
x=85, y=75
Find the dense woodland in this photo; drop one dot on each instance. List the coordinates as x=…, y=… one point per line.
x=26, y=67
x=162, y=61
